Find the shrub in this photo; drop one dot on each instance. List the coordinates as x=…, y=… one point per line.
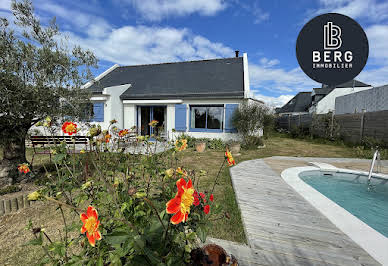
x=143, y=209
x=252, y=142
x=250, y=118
x=216, y=144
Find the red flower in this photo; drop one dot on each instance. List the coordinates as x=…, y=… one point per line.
x=206, y=209
x=203, y=196
x=69, y=128
x=180, y=204
x=23, y=168
x=123, y=132
x=196, y=198
x=211, y=198
x=90, y=225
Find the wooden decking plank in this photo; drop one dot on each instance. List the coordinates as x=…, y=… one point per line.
x=279, y=221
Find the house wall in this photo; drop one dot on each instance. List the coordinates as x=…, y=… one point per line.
x=372, y=100
x=113, y=106
x=327, y=104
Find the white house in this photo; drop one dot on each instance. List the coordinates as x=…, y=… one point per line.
x=323, y=99
x=194, y=97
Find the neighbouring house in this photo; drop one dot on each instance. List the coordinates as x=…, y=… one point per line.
x=197, y=98
x=298, y=105
x=371, y=100
x=323, y=99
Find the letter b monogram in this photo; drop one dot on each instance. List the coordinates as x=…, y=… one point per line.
x=332, y=36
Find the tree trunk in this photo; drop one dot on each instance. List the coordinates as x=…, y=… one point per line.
x=14, y=153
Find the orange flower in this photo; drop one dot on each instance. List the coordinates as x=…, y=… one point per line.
x=229, y=157
x=180, y=205
x=153, y=123
x=107, y=137
x=90, y=225
x=123, y=132
x=23, y=168
x=69, y=128
x=180, y=144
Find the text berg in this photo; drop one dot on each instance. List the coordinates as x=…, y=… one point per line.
x=332, y=56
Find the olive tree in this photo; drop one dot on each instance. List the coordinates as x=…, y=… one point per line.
x=250, y=118
x=40, y=76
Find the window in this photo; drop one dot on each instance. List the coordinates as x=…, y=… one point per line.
x=207, y=117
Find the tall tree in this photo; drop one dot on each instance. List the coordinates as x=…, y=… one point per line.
x=39, y=76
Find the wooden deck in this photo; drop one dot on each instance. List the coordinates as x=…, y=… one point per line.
x=284, y=229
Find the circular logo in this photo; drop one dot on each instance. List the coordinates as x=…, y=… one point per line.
x=332, y=49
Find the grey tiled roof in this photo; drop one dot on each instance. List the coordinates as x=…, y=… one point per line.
x=206, y=78
x=300, y=103
x=348, y=84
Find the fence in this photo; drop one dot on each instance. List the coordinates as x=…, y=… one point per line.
x=351, y=128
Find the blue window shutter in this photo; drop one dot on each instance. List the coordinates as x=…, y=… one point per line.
x=180, y=117
x=98, y=110
x=229, y=110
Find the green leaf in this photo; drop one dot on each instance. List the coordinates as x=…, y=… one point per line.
x=139, y=244
x=100, y=261
x=59, y=158
x=151, y=256
x=202, y=233
x=117, y=237
x=36, y=242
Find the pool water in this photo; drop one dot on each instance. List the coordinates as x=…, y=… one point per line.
x=351, y=192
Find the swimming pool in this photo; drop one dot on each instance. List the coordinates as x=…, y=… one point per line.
x=351, y=192
x=343, y=197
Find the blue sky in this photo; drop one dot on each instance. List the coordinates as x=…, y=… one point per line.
x=130, y=32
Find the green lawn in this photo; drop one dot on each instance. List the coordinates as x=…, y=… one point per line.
x=210, y=161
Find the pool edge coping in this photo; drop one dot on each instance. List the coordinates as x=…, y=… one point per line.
x=373, y=242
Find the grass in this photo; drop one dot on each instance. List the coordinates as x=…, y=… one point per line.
x=12, y=227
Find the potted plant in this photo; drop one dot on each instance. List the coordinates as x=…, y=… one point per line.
x=200, y=146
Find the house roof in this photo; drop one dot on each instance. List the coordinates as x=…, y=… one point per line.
x=323, y=91
x=300, y=103
x=348, y=84
x=206, y=78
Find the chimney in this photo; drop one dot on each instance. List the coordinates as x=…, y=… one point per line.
x=237, y=51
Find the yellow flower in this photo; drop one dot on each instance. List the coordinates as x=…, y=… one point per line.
x=229, y=158
x=181, y=172
x=140, y=138
x=47, y=122
x=95, y=131
x=86, y=185
x=169, y=172
x=180, y=144
x=82, y=151
x=153, y=123
x=33, y=196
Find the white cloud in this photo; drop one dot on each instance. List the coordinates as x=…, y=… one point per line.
x=371, y=10
x=259, y=15
x=378, y=42
x=266, y=75
x=78, y=21
x=375, y=77
x=155, y=10
x=269, y=63
x=274, y=101
x=130, y=45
